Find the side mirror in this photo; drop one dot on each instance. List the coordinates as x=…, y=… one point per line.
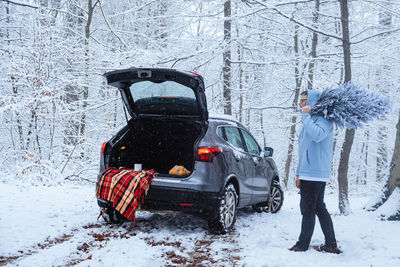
x=268, y=151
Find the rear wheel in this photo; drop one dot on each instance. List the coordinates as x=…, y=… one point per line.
x=227, y=210
x=275, y=200
x=110, y=215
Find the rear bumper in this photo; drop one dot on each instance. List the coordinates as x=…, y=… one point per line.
x=203, y=204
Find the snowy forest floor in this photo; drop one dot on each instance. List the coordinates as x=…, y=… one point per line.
x=57, y=226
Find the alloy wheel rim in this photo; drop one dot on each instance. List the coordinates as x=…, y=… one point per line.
x=274, y=199
x=230, y=206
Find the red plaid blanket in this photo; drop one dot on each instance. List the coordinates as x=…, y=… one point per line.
x=125, y=188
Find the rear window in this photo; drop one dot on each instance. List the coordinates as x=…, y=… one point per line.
x=166, y=97
x=148, y=89
x=233, y=137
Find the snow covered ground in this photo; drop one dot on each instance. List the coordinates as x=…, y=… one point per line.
x=45, y=226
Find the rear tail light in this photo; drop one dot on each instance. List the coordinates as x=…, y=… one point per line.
x=103, y=147
x=207, y=153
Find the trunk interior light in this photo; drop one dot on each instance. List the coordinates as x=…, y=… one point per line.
x=103, y=146
x=207, y=153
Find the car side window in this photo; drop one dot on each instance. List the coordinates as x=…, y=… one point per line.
x=252, y=146
x=233, y=137
x=220, y=133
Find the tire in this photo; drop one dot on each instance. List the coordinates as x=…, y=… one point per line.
x=275, y=200
x=227, y=211
x=110, y=215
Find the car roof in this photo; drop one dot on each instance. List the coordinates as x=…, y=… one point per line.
x=227, y=119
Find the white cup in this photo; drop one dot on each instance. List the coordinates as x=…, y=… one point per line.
x=138, y=167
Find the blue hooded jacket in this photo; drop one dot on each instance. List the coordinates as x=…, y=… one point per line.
x=315, y=144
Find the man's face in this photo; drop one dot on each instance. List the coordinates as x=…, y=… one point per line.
x=303, y=101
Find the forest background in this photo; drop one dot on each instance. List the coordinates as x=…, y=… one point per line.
x=256, y=57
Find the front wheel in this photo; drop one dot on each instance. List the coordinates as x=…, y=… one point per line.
x=275, y=200
x=227, y=210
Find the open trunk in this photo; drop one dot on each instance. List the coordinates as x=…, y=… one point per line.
x=158, y=143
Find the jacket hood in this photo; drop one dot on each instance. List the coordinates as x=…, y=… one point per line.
x=312, y=97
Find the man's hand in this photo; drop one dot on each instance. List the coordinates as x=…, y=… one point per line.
x=297, y=182
x=306, y=109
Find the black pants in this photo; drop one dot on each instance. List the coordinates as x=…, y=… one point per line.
x=311, y=204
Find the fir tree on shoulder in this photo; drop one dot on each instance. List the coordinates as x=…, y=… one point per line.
x=350, y=106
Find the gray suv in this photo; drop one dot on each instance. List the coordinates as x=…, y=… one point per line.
x=169, y=125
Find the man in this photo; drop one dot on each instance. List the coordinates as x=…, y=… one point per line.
x=312, y=173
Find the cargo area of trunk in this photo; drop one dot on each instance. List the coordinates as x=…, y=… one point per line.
x=158, y=143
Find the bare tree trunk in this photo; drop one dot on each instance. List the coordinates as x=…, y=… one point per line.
x=227, y=59
x=159, y=31
x=344, y=205
x=240, y=58
x=248, y=119
x=313, y=47
x=392, y=188
x=87, y=68
x=18, y=119
x=71, y=96
x=381, y=155
x=394, y=176
x=37, y=136
x=361, y=177
x=385, y=19
x=294, y=104
x=262, y=128
x=7, y=7
x=14, y=82
x=335, y=137
x=393, y=181
x=71, y=132
x=241, y=95
x=366, y=155
x=298, y=85
x=52, y=128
